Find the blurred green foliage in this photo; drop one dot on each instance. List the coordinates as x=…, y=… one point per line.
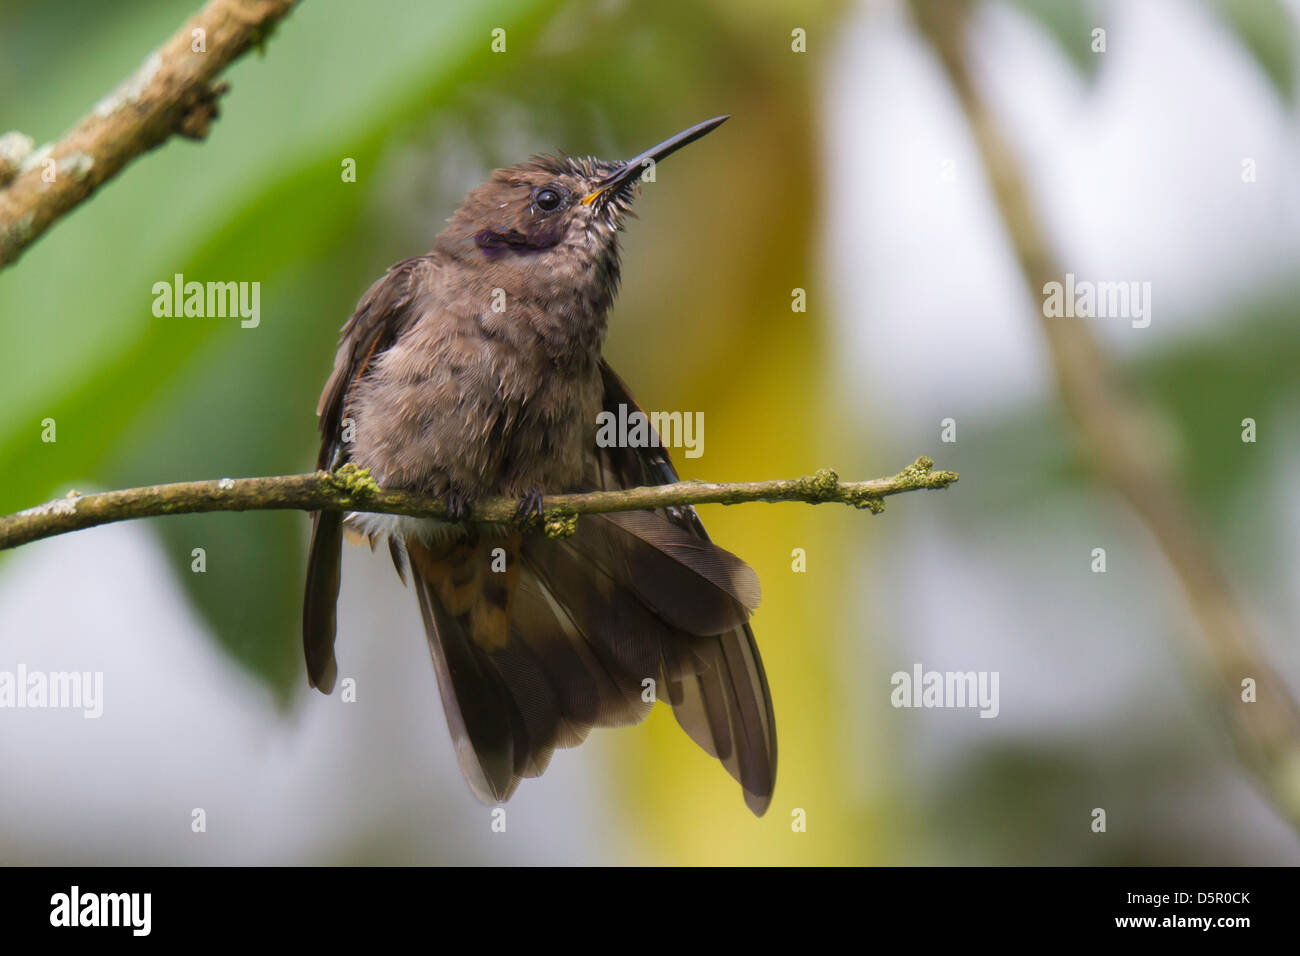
x=1268, y=32
x=1263, y=27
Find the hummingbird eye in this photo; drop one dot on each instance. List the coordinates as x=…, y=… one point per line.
x=548, y=199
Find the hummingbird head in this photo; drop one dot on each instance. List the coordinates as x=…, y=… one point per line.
x=555, y=220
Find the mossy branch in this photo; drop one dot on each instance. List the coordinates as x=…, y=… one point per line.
x=172, y=93
x=352, y=489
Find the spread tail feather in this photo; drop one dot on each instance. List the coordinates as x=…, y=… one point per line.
x=726, y=708
x=321, y=599
x=569, y=636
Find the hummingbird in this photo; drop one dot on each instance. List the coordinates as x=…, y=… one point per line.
x=476, y=370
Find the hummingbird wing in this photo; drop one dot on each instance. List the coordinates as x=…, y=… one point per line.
x=723, y=702
x=380, y=317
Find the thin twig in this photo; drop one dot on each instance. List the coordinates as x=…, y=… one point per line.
x=171, y=93
x=352, y=489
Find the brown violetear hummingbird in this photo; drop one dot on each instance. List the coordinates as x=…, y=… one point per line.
x=437, y=388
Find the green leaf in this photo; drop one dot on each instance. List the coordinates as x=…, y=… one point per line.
x=1266, y=29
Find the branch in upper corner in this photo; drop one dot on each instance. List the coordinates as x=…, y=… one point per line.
x=171, y=93
x=352, y=489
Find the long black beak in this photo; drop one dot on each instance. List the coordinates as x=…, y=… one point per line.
x=636, y=166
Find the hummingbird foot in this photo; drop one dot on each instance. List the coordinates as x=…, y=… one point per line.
x=530, y=505
x=459, y=506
